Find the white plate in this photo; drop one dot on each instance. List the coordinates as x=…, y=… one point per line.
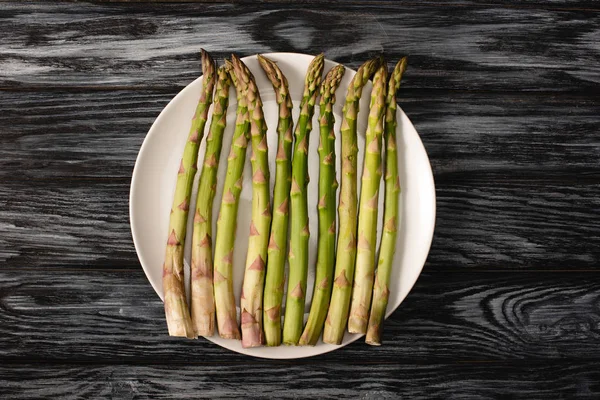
x=154, y=176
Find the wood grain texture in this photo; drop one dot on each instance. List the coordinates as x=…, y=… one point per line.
x=588, y=5
x=517, y=177
x=389, y=381
x=94, y=316
x=84, y=223
x=466, y=47
x=505, y=96
x=496, y=221
x=82, y=134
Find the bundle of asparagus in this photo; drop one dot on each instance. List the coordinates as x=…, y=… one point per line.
x=346, y=296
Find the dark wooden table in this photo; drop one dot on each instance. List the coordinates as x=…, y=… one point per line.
x=505, y=95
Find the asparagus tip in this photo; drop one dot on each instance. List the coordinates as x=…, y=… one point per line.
x=208, y=64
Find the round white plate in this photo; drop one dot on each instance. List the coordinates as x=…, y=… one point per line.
x=155, y=172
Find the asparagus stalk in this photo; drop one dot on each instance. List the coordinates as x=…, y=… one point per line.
x=274, y=279
x=177, y=314
x=227, y=220
x=260, y=224
x=337, y=315
x=203, y=302
x=381, y=290
x=299, y=235
x=369, y=202
x=327, y=189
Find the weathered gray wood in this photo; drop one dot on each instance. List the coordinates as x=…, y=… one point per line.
x=388, y=381
x=83, y=134
x=94, y=316
x=494, y=220
x=505, y=96
x=75, y=222
x=461, y=47
x=517, y=177
x=587, y=5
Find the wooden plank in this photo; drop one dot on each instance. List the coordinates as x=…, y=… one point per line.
x=83, y=134
x=517, y=181
x=115, y=317
x=83, y=223
x=518, y=220
x=323, y=381
x=75, y=135
x=468, y=47
x=493, y=221
x=553, y=5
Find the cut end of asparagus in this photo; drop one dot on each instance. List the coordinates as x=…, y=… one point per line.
x=357, y=325
x=332, y=340
x=252, y=335
x=372, y=342
x=177, y=315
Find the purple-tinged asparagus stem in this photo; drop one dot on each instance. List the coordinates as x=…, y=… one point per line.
x=202, y=296
x=227, y=221
x=260, y=224
x=177, y=313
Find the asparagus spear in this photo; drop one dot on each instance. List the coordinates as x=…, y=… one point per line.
x=203, y=302
x=327, y=189
x=369, y=201
x=298, y=255
x=381, y=291
x=226, y=223
x=177, y=314
x=346, y=245
x=260, y=224
x=274, y=280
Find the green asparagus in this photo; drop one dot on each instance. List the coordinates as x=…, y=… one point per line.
x=299, y=234
x=381, y=290
x=346, y=246
x=227, y=220
x=202, y=297
x=177, y=313
x=369, y=203
x=274, y=280
x=327, y=189
x=260, y=224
